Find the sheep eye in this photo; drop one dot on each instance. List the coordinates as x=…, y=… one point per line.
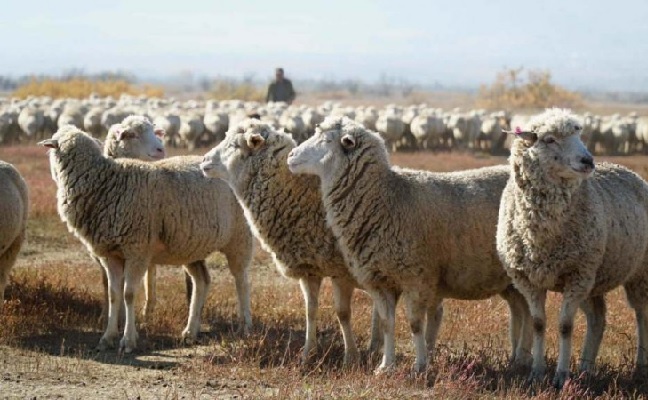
x=549, y=140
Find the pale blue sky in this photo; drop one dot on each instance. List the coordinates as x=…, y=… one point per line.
x=586, y=44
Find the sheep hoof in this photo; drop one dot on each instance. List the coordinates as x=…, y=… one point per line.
x=559, y=379
x=384, y=369
x=537, y=375
x=106, y=343
x=188, y=339
x=244, y=329
x=350, y=358
x=418, y=369
x=522, y=362
x=127, y=346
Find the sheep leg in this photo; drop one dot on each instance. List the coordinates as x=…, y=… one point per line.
x=536, y=300
x=238, y=266
x=200, y=280
x=636, y=294
x=7, y=260
x=310, y=287
x=568, y=310
x=416, y=308
x=114, y=269
x=188, y=287
x=342, y=293
x=377, y=337
x=594, y=309
x=376, y=340
x=134, y=270
x=103, y=318
x=434, y=318
x=385, y=302
x=520, y=329
x=150, y=292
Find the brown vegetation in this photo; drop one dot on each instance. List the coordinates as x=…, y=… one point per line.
x=82, y=87
x=49, y=329
x=512, y=91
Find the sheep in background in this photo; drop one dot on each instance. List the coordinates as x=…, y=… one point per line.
x=191, y=129
x=131, y=213
x=92, y=122
x=567, y=228
x=169, y=122
x=391, y=127
x=427, y=235
x=14, y=206
x=288, y=218
x=32, y=122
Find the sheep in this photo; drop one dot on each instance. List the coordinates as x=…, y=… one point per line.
x=287, y=217
x=92, y=121
x=191, y=129
x=31, y=121
x=169, y=122
x=391, y=127
x=427, y=235
x=131, y=213
x=135, y=138
x=14, y=206
x=564, y=227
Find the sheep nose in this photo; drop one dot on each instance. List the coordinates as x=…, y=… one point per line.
x=292, y=152
x=588, y=160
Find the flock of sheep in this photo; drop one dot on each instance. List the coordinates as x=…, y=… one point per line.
x=333, y=206
x=192, y=123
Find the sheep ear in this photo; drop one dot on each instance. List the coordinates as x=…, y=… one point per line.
x=49, y=143
x=125, y=134
x=348, y=142
x=254, y=141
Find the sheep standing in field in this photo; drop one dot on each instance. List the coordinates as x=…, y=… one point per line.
x=427, y=235
x=14, y=206
x=32, y=122
x=563, y=227
x=135, y=138
x=391, y=127
x=191, y=129
x=287, y=216
x=131, y=213
x=92, y=122
x=169, y=122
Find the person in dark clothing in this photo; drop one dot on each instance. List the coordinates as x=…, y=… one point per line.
x=280, y=89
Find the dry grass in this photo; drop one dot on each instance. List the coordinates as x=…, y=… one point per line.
x=82, y=88
x=49, y=328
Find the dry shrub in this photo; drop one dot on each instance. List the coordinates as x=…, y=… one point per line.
x=511, y=91
x=226, y=89
x=82, y=87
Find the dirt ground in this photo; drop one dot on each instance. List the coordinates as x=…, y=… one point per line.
x=49, y=329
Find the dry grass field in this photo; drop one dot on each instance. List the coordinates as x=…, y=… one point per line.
x=49, y=329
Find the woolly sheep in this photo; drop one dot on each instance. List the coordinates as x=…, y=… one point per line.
x=31, y=121
x=14, y=205
x=287, y=216
x=92, y=121
x=565, y=228
x=191, y=129
x=131, y=213
x=427, y=235
x=135, y=138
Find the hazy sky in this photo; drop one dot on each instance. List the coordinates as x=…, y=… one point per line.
x=586, y=44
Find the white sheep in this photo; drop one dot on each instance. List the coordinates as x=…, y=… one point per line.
x=287, y=217
x=131, y=213
x=32, y=121
x=427, y=235
x=567, y=228
x=14, y=206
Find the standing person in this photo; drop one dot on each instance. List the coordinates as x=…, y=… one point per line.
x=280, y=89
